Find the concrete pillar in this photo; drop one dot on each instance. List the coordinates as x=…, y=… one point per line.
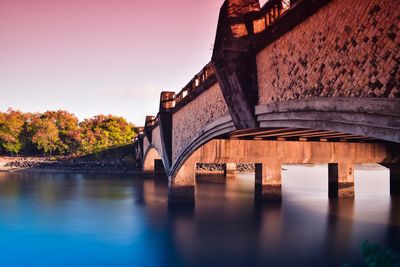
x=229, y=168
x=341, y=180
x=268, y=182
x=394, y=178
x=181, y=188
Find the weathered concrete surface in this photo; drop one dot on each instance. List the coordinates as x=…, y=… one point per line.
x=268, y=181
x=373, y=117
x=190, y=120
x=269, y=155
x=295, y=152
x=346, y=49
x=182, y=186
x=341, y=180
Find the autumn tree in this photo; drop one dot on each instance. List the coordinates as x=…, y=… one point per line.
x=60, y=132
x=68, y=130
x=11, y=126
x=45, y=135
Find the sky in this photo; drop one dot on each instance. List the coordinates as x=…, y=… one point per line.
x=101, y=56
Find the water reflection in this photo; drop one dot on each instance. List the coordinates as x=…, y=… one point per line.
x=103, y=220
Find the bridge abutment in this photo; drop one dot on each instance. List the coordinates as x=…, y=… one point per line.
x=394, y=178
x=341, y=180
x=268, y=182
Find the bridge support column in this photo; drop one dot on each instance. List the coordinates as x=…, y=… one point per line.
x=181, y=186
x=268, y=180
x=341, y=180
x=229, y=168
x=394, y=178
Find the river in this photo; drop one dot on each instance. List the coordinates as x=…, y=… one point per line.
x=67, y=219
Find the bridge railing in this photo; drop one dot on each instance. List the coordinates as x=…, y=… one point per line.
x=151, y=121
x=199, y=79
x=169, y=100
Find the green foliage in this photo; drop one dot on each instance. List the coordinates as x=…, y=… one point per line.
x=60, y=132
x=375, y=256
x=105, y=131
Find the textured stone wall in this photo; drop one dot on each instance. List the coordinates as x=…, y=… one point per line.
x=189, y=121
x=156, y=140
x=347, y=49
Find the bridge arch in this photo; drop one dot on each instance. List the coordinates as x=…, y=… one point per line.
x=152, y=161
x=211, y=131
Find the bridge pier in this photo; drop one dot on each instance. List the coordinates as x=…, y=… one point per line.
x=229, y=168
x=394, y=178
x=182, y=186
x=341, y=180
x=268, y=182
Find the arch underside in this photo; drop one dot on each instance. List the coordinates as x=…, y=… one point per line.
x=269, y=155
x=343, y=120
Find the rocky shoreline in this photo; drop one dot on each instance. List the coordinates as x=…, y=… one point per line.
x=219, y=168
x=10, y=164
x=13, y=164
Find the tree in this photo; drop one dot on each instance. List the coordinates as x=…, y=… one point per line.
x=105, y=131
x=68, y=130
x=45, y=135
x=61, y=132
x=11, y=126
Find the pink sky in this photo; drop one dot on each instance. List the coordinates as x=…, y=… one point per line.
x=101, y=56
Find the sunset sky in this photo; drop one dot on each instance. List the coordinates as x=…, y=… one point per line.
x=101, y=56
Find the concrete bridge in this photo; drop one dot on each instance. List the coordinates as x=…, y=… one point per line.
x=304, y=81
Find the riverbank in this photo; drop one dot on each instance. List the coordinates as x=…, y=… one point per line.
x=66, y=164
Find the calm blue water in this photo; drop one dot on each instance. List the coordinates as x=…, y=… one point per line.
x=122, y=220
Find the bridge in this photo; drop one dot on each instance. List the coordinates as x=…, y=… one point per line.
x=291, y=82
